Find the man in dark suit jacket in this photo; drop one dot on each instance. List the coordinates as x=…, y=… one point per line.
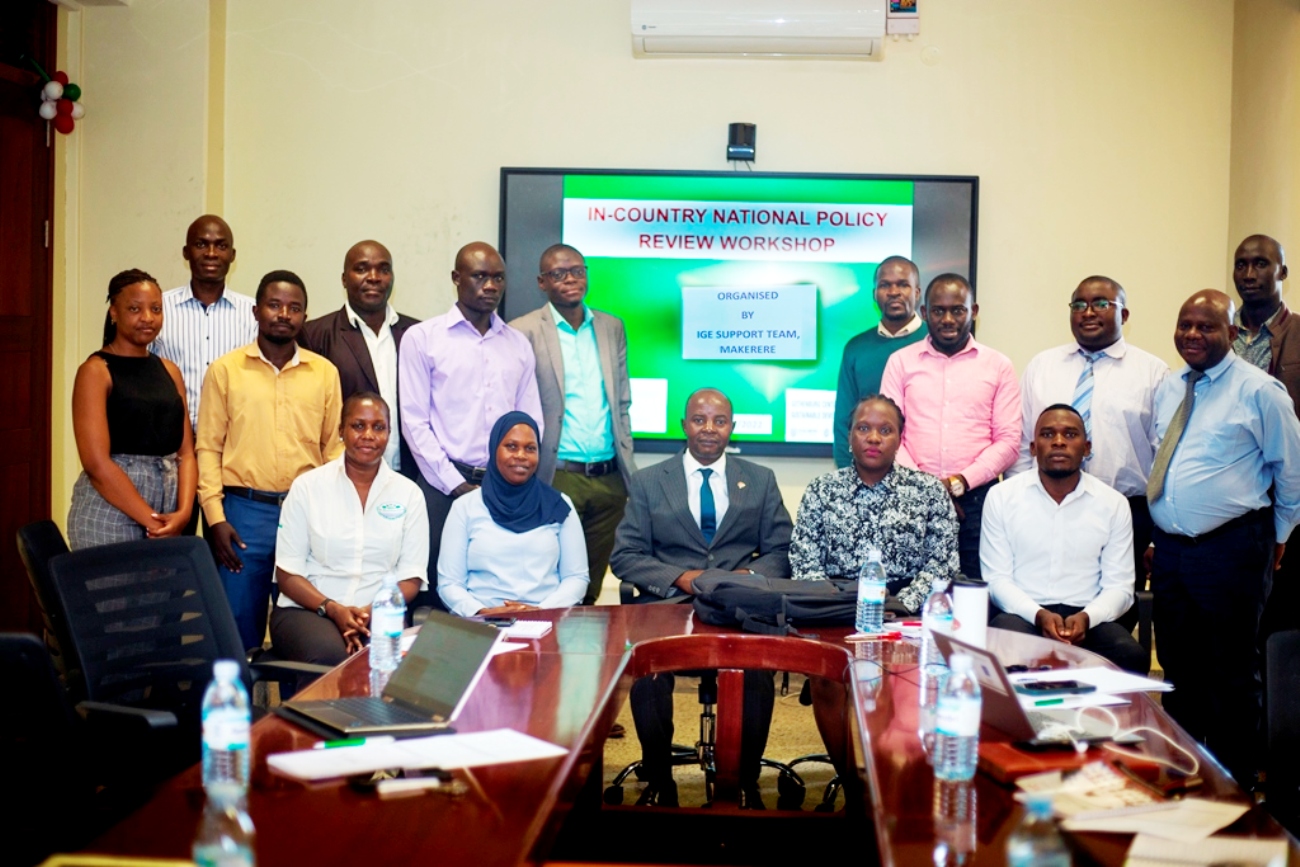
x=700, y=512
x=362, y=338
x=586, y=449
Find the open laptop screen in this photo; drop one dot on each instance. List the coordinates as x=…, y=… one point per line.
x=442, y=666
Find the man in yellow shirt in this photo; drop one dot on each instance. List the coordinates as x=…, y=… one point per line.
x=269, y=412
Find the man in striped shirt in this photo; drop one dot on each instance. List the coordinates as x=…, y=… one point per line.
x=201, y=320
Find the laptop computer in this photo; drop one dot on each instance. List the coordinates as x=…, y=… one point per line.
x=426, y=692
x=1001, y=707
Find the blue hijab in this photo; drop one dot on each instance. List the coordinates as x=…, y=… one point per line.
x=519, y=508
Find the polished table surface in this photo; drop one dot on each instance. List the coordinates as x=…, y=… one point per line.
x=567, y=688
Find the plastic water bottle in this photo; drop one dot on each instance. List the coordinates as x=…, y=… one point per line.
x=957, y=722
x=1036, y=841
x=387, y=617
x=226, y=716
x=936, y=616
x=871, y=595
x=225, y=837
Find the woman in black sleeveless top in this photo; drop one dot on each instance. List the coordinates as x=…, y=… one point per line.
x=132, y=428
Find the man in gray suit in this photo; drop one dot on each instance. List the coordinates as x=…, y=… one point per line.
x=586, y=449
x=695, y=513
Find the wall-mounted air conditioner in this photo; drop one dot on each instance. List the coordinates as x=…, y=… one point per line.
x=833, y=29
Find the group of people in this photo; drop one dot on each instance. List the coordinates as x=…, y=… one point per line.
x=493, y=463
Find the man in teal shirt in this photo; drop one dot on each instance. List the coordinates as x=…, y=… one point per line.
x=586, y=449
x=898, y=292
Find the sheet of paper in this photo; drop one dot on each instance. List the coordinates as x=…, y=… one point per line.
x=1192, y=819
x=528, y=629
x=449, y=752
x=1069, y=702
x=1151, y=851
x=1105, y=679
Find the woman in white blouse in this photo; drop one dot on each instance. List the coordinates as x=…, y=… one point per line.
x=343, y=527
x=514, y=544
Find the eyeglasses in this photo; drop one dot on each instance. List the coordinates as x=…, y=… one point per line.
x=1101, y=305
x=555, y=275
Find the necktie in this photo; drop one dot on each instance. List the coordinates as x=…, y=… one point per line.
x=708, y=512
x=1082, y=400
x=1156, y=485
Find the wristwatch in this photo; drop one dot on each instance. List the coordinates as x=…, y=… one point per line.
x=956, y=486
x=320, y=609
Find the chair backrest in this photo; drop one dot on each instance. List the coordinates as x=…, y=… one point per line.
x=1282, y=720
x=38, y=543
x=147, y=619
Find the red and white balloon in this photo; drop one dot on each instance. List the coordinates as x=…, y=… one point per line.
x=59, y=103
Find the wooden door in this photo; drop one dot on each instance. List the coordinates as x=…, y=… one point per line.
x=27, y=29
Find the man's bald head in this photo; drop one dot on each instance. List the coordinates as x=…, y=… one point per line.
x=1258, y=270
x=368, y=278
x=1205, y=332
x=472, y=252
x=209, y=249
x=365, y=248
x=479, y=278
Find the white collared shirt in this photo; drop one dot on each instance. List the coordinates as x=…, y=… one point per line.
x=1123, y=409
x=717, y=484
x=292, y=362
x=194, y=336
x=1036, y=552
x=344, y=550
x=383, y=356
x=910, y=328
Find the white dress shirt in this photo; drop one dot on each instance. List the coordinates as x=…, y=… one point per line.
x=717, y=484
x=383, y=357
x=483, y=565
x=1123, y=419
x=344, y=550
x=1036, y=552
x=194, y=336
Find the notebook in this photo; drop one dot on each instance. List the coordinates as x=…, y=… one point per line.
x=1002, y=709
x=424, y=694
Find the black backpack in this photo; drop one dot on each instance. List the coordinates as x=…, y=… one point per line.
x=773, y=606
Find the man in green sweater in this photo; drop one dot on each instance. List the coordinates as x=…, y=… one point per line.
x=898, y=292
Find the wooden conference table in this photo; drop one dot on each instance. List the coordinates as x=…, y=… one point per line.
x=567, y=689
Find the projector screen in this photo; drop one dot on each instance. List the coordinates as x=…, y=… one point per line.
x=750, y=283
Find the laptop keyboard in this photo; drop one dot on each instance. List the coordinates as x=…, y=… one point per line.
x=377, y=712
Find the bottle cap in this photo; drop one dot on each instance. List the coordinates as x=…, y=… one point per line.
x=225, y=670
x=960, y=662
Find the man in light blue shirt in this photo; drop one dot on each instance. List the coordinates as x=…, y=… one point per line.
x=582, y=379
x=1225, y=495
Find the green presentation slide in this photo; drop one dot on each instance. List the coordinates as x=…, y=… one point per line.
x=749, y=285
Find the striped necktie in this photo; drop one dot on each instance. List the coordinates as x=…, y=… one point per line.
x=1164, y=454
x=1082, y=400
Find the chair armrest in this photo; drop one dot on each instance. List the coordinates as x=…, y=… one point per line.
x=105, y=713
x=284, y=666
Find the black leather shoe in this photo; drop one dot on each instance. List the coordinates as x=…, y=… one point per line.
x=660, y=795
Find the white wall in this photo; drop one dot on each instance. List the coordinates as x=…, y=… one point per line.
x=1100, y=129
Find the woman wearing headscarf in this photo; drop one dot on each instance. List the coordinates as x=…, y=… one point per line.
x=514, y=544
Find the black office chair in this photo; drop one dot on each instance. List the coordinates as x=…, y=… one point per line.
x=38, y=543
x=59, y=802
x=1282, y=727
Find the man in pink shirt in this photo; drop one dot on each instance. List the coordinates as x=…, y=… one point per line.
x=456, y=375
x=962, y=405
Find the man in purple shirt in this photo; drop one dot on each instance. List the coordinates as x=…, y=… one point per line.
x=961, y=400
x=457, y=374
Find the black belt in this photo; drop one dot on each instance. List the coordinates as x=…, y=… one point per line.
x=1257, y=516
x=270, y=498
x=599, y=468
x=473, y=475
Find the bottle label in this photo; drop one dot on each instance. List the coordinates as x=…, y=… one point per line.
x=871, y=592
x=957, y=716
x=938, y=623
x=387, y=623
x=225, y=728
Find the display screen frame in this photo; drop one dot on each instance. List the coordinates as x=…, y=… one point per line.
x=524, y=222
